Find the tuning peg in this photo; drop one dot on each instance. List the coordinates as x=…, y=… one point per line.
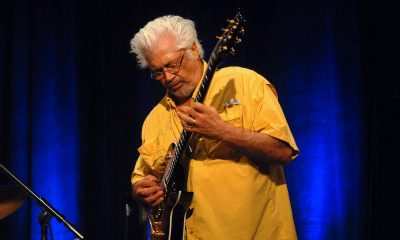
x=219, y=37
x=222, y=49
x=238, y=40
x=231, y=21
x=233, y=51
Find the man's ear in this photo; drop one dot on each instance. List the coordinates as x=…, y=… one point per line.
x=195, y=51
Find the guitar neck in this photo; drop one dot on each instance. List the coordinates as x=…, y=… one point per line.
x=206, y=81
x=185, y=136
x=230, y=37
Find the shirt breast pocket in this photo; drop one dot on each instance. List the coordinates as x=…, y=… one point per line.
x=233, y=115
x=217, y=152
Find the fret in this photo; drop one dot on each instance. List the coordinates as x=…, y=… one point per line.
x=224, y=43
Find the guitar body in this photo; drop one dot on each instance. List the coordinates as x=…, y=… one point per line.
x=167, y=220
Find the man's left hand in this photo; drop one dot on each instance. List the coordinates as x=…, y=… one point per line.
x=204, y=120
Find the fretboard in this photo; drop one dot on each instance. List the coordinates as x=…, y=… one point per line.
x=230, y=37
x=185, y=136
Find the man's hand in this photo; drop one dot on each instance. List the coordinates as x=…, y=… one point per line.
x=204, y=120
x=148, y=191
x=262, y=148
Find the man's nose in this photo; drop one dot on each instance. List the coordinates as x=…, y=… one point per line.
x=168, y=76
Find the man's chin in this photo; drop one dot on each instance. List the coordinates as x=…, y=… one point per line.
x=178, y=95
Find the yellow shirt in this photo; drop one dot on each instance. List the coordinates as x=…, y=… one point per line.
x=233, y=199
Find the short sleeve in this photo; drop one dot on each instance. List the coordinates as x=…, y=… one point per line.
x=267, y=114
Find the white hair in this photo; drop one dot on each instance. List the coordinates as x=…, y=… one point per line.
x=183, y=30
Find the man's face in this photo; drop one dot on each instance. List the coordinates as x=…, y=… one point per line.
x=179, y=71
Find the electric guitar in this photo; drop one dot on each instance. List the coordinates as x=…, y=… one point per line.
x=167, y=220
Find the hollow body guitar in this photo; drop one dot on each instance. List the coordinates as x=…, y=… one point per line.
x=167, y=220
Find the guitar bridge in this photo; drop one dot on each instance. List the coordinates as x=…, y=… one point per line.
x=156, y=224
x=156, y=230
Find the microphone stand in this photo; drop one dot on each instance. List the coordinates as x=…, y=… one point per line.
x=48, y=211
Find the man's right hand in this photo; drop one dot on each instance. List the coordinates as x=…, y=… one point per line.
x=148, y=191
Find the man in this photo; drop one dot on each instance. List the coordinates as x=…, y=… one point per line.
x=241, y=139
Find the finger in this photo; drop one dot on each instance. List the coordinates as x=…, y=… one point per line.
x=199, y=107
x=185, y=118
x=189, y=111
x=154, y=199
x=150, y=178
x=193, y=122
x=148, y=191
x=148, y=181
x=145, y=187
x=157, y=202
x=185, y=109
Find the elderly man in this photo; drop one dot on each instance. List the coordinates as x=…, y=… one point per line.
x=241, y=139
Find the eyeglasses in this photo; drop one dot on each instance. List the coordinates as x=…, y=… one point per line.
x=170, y=68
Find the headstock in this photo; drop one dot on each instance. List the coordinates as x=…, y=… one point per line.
x=231, y=36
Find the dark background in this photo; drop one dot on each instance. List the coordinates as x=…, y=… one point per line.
x=334, y=64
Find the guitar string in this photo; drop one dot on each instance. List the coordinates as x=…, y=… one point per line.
x=199, y=98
